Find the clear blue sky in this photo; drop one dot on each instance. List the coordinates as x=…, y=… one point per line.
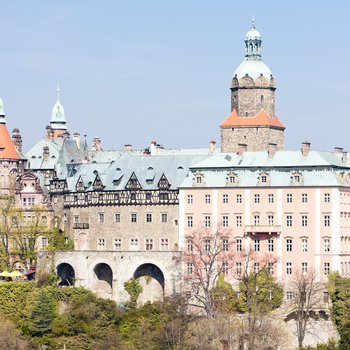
x=134, y=71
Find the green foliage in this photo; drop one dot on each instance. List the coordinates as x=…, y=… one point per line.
x=330, y=345
x=339, y=290
x=259, y=293
x=43, y=313
x=134, y=288
x=224, y=296
x=59, y=242
x=13, y=299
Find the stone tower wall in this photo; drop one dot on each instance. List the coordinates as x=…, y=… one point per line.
x=249, y=97
x=256, y=138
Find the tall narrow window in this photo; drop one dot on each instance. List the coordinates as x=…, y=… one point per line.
x=225, y=221
x=271, y=245
x=225, y=245
x=238, y=245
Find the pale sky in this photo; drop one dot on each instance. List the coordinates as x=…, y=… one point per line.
x=135, y=71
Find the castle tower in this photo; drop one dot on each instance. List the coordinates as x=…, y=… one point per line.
x=252, y=121
x=58, y=120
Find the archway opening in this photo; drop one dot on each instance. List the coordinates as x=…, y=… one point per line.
x=67, y=274
x=103, y=276
x=152, y=279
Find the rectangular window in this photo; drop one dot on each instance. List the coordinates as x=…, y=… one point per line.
x=190, y=199
x=190, y=221
x=207, y=221
x=270, y=220
x=256, y=220
x=289, y=296
x=289, y=198
x=225, y=221
x=256, y=198
x=232, y=179
x=289, y=245
x=44, y=242
x=101, y=218
x=263, y=179
x=327, y=197
x=304, y=197
x=304, y=244
x=134, y=242
x=225, y=245
x=239, y=221
x=164, y=217
x=133, y=217
x=327, y=220
x=238, y=198
x=207, y=245
x=164, y=244
x=149, y=243
x=256, y=267
x=117, y=244
x=256, y=245
x=238, y=268
x=238, y=245
x=76, y=219
x=148, y=217
x=304, y=220
x=225, y=267
x=207, y=198
x=327, y=268
x=270, y=198
x=225, y=198
x=270, y=268
x=304, y=268
x=189, y=268
x=190, y=245
x=289, y=268
x=271, y=244
x=101, y=244
x=117, y=217
x=289, y=220
x=327, y=245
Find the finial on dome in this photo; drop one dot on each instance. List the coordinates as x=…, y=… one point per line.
x=58, y=91
x=253, y=22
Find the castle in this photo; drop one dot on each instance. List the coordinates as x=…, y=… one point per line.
x=132, y=213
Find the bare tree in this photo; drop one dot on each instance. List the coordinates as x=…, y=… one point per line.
x=306, y=301
x=207, y=255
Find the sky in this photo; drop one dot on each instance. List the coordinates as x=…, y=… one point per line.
x=133, y=71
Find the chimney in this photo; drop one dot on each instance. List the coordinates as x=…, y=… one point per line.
x=242, y=147
x=153, y=147
x=212, y=145
x=48, y=131
x=96, y=144
x=17, y=140
x=76, y=138
x=52, y=134
x=66, y=135
x=46, y=152
x=338, y=150
x=305, y=149
x=146, y=152
x=344, y=157
x=272, y=149
x=159, y=149
x=128, y=147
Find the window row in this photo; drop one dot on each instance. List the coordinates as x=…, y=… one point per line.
x=134, y=217
x=257, y=198
x=304, y=245
x=304, y=268
x=134, y=244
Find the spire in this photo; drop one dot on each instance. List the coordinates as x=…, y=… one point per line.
x=253, y=43
x=58, y=120
x=2, y=112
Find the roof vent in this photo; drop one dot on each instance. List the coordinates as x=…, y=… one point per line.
x=305, y=148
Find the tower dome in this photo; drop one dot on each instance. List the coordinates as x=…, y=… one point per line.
x=58, y=120
x=252, y=64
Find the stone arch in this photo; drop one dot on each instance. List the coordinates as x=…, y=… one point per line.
x=67, y=274
x=152, y=281
x=150, y=270
x=103, y=280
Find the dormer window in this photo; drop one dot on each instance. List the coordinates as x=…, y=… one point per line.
x=198, y=179
x=264, y=178
x=232, y=179
x=297, y=178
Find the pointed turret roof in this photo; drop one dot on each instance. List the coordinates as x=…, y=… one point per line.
x=58, y=120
